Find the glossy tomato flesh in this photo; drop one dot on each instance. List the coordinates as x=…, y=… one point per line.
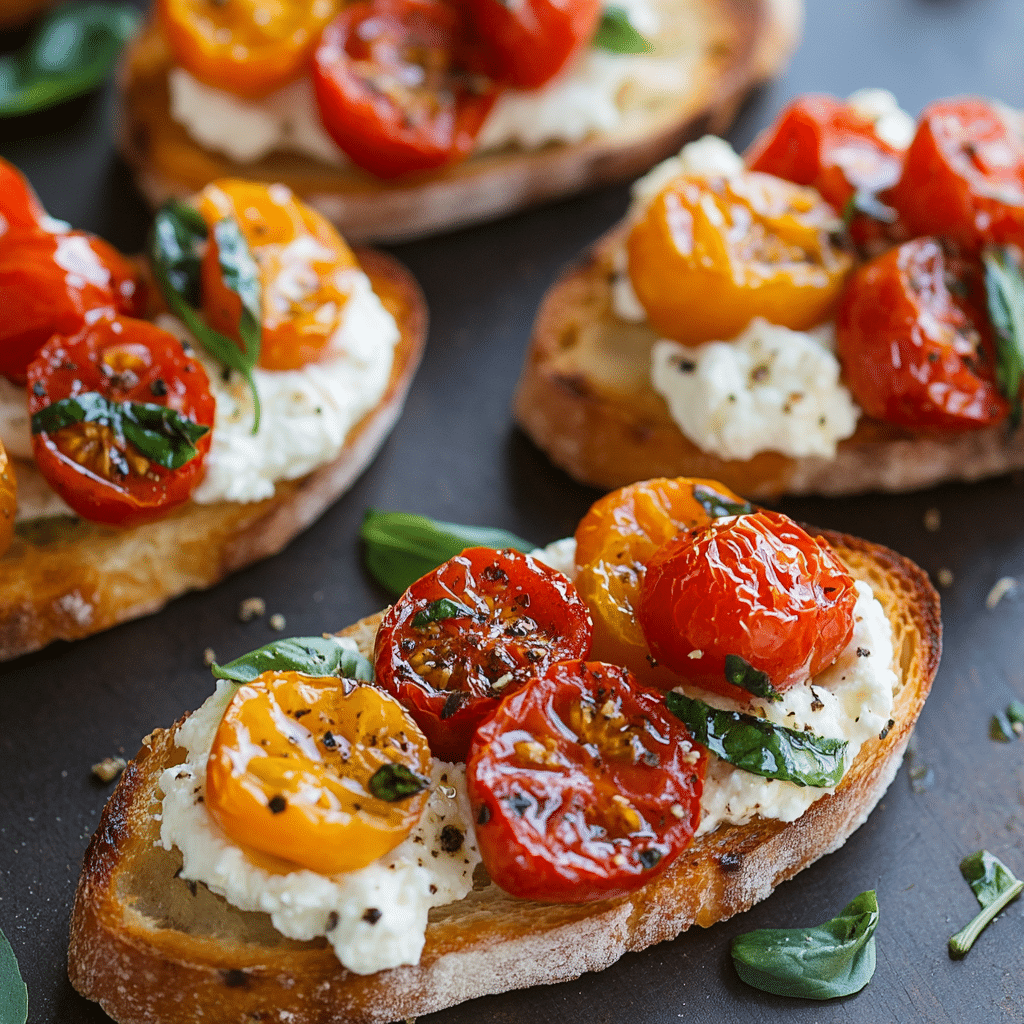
x=583, y=786
x=19, y=207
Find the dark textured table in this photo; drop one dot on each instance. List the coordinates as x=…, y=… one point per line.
x=456, y=456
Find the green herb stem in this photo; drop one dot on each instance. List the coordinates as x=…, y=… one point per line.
x=960, y=944
x=995, y=886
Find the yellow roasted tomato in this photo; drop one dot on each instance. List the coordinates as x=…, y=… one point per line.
x=306, y=271
x=248, y=47
x=324, y=773
x=8, y=500
x=709, y=254
x=614, y=542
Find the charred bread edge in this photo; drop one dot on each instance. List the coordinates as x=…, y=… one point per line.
x=598, y=436
x=483, y=187
x=97, y=577
x=489, y=942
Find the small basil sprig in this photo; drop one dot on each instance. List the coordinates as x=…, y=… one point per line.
x=995, y=886
x=73, y=50
x=761, y=747
x=175, y=252
x=442, y=608
x=717, y=505
x=1004, y=290
x=315, y=656
x=741, y=673
x=402, y=547
x=869, y=205
x=393, y=782
x=161, y=434
x=1008, y=725
x=13, y=991
x=617, y=34
x=834, y=959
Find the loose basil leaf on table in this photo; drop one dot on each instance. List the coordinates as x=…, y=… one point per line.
x=717, y=505
x=741, y=673
x=617, y=34
x=995, y=886
x=1004, y=289
x=13, y=991
x=761, y=747
x=310, y=655
x=163, y=435
x=831, y=960
x=73, y=50
x=175, y=251
x=393, y=782
x=401, y=547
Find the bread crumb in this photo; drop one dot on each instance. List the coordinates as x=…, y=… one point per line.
x=1002, y=587
x=933, y=520
x=277, y=621
x=944, y=577
x=109, y=768
x=252, y=608
x=209, y=656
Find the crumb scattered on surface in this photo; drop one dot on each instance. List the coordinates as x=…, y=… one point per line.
x=944, y=577
x=933, y=520
x=1002, y=587
x=252, y=608
x=109, y=768
x=277, y=621
x=209, y=656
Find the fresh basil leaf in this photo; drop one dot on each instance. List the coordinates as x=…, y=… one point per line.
x=393, y=782
x=71, y=53
x=999, y=728
x=1004, y=291
x=315, y=656
x=443, y=608
x=402, y=547
x=760, y=747
x=13, y=991
x=834, y=959
x=163, y=435
x=617, y=34
x=717, y=505
x=239, y=272
x=741, y=673
x=868, y=205
x=175, y=253
x=995, y=886
x=1015, y=712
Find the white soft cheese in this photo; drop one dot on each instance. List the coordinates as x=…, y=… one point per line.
x=770, y=389
x=892, y=123
x=401, y=886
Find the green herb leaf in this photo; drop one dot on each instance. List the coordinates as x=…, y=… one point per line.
x=1015, y=712
x=741, y=673
x=13, y=991
x=995, y=886
x=999, y=728
x=393, y=782
x=70, y=54
x=760, y=747
x=311, y=655
x=834, y=959
x=868, y=204
x=1004, y=290
x=163, y=435
x=717, y=505
x=617, y=34
x=443, y=608
x=175, y=253
x=402, y=547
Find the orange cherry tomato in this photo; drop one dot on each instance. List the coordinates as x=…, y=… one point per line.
x=963, y=175
x=401, y=86
x=583, y=786
x=614, y=542
x=295, y=770
x=756, y=587
x=248, y=47
x=8, y=500
x=19, y=205
x=477, y=627
x=102, y=474
x=51, y=283
x=305, y=271
x=913, y=352
x=709, y=254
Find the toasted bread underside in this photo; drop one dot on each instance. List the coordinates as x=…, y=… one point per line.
x=63, y=579
x=585, y=398
x=726, y=46
x=150, y=949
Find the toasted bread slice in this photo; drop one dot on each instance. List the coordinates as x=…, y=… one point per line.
x=726, y=47
x=151, y=948
x=63, y=579
x=585, y=397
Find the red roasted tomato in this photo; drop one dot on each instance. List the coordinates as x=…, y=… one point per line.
x=963, y=175
x=755, y=586
x=19, y=207
x=913, y=353
x=99, y=472
x=583, y=786
x=399, y=85
x=534, y=39
x=50, y=283
x=475, y=628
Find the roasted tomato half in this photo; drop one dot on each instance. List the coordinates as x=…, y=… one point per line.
x=121, y=420
x=323, y=773
x=614, y=542
x=305, y=268
x=756, y=588
x=50, y=284
x=475, y=628
x=963, y=175
x=710, y=254
x=8, y=500
x=401, y=85
x=19, y=206
x=583, y=786
x=915, y=342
